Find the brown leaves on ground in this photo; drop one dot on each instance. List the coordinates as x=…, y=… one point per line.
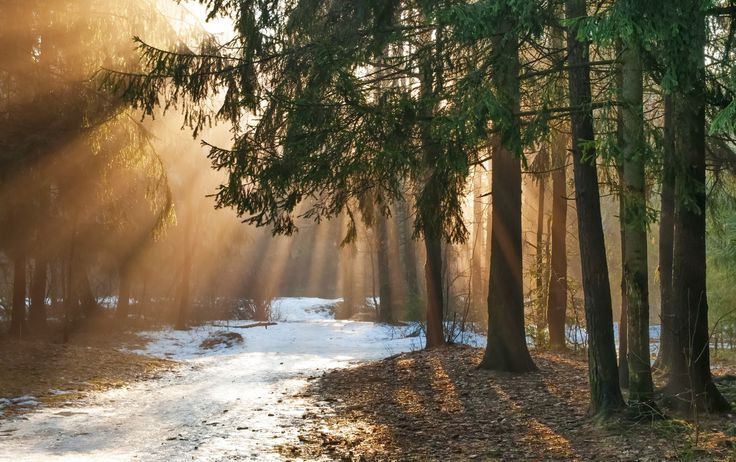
x=57, y=373
x=436, y=405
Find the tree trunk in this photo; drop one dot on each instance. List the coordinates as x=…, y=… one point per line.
x=183, y=302
x=506, y=349
x=557, y=300
x=476, y=252
x=634, y=243
x=183, y=293
x=666, y=240
x=408, y=252
x=605, y=394
x=18, y=326
x=122, y=309
x=623, y=324
x=37, y=312
x=385, y=291
x=690, y=382
x=541, y=302
x=435, y=303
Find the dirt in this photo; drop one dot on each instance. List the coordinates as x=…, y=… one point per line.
x=436, y=405
x=62, y=373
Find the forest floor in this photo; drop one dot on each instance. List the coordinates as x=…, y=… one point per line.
x=436, y=405
x=48, y=372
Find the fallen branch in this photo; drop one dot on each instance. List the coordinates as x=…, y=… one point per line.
x=246, y=326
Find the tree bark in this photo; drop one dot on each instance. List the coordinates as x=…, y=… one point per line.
x=506, y=349
x=690, y=382
x=605, y=394
x=385, y=289
x=476, y=249
x=666, y=240
x=634, y=244
x=557, y=300
x=435, y=303
x=541, y=302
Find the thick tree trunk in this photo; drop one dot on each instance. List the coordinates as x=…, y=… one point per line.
x=18, y=326
x=605, y=394
x=634, y=243
x=506, y=349
x=691, y=384
x=435, y=303
x=385, y=289
x=557, y=300
x=37, y=311
x=666, y=240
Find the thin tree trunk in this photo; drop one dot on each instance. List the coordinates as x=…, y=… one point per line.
x=18, y=326
x=557, y=300
x=605, y=394
x=122, y=308
x=634, y=243
x=37, y=311
x=506, y=349
x=385, y=290
x=666, y=240
x=623, y=325
x=476, y=249
x=541, y=302
x=408, y=254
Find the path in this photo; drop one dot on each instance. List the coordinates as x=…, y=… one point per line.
x=224, y=405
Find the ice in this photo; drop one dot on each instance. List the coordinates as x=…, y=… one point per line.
x=228, y=403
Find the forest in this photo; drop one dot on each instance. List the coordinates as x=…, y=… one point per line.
x=367, y=230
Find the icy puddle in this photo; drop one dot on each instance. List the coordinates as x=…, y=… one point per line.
x=224, y=404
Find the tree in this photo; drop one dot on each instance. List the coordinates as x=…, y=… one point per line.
x=634, y=222
x=690, y=382
x=666, y=239
x=557, y=300
x=605, y=393
x=506, y=349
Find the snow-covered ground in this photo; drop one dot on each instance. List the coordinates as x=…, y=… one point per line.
x=224, y=404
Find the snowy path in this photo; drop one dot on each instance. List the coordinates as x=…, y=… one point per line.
x=228, y=404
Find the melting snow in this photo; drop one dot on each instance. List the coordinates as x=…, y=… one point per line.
x=227, y=403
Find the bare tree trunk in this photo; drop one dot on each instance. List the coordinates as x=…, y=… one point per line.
x=408, y=251
x=506, y=349
x=605, y=394
x=634, y=244
x=122, y=308
x=37, y=311
x=690, y=381
x=540, y=262
x=435, y=303
x=18, y=326
x=476, y=250
x=666, y=240
x=557, y=300
x=386, y=308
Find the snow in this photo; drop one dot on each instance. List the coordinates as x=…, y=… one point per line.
x=227, y=403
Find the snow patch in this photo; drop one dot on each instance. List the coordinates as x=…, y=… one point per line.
x=233, y=403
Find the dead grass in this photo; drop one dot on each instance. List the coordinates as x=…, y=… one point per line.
x=436, y=405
